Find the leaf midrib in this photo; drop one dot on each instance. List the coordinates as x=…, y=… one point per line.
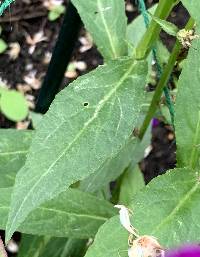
x=110, y=38
x=73, y=213
x=67, y=213
x=14, y=153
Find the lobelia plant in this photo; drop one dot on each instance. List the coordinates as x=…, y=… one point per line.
x=55, y=180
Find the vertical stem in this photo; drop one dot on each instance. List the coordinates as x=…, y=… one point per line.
x=159, y=89
x=60, y=58
x=152, y=33
x=162, y=82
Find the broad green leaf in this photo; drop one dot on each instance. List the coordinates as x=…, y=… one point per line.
x=110, y=240
x=187, y=109
x=13, y=104
x=167, y=26
x=106, y=21
x=32, y=246
x=167, y=208
x=111, y=169
x=72, y=214
x=132, y=151
x=193, y=8
x=87, y=123
x=14, y=145
x=132, y=182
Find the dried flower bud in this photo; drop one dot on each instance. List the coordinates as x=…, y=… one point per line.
x=146, y=246
x=186, y=37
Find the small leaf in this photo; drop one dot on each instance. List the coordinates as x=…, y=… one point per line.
x=132, y=182
x=63, y=216
x=56, y=12
x=13, y=105
x=76, y=141
x=14, y=145
x=3, y=46
x=106, y=21
x=167, y=26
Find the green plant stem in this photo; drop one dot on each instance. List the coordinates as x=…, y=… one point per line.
x=152, y=33
x=162, y=82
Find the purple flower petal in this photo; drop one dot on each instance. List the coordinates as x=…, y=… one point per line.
x=155, y=122
x=185, y=251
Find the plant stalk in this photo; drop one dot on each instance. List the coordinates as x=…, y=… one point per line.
x=146, y=43
x=163, y=82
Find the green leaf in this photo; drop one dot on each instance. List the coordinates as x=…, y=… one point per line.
x=14, y=145
x=54, y=247
x=63, y=216
x=193, y=8
x=167, y=208
x=74, y=247
x=3, y=46
x=112, y=168
x=187, y=108
x=13, y=104
x=35, y=119
x=132, y=151
x=62, y=247
x=56, y=12
x=110, y=240
x=32, y=246
x=74, y=142
x=106, y=21
x=132, y=182
x=167, y=26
